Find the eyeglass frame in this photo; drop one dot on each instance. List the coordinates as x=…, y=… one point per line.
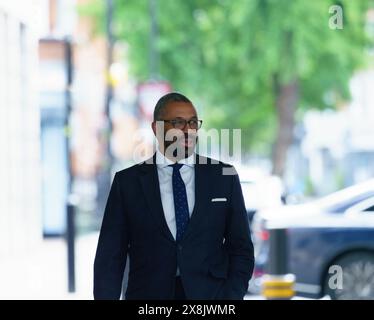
x=172, y=121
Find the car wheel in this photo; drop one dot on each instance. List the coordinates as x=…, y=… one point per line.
x=351, y=277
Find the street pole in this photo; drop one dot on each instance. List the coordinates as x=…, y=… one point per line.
x=70, y=206
x=68, y=55
x=70, y=241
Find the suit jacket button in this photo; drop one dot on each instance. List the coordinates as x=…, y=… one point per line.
x=179, y=247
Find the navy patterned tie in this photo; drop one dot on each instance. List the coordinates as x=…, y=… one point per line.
x=182, y=215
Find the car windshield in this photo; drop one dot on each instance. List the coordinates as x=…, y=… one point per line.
x=341, y=200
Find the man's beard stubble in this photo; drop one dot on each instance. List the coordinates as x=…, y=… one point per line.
x=176, y=150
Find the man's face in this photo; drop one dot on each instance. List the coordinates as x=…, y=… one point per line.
x=175, y=140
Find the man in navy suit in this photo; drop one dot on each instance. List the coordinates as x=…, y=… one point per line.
x=179, y=216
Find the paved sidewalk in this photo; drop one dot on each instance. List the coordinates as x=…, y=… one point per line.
x=42, y=273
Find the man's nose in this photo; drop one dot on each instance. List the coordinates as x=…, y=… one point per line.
x=187, y=127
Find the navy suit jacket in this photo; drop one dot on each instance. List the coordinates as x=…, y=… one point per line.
x=215, y=256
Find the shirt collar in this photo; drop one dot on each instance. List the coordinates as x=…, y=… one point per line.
x=162, y=161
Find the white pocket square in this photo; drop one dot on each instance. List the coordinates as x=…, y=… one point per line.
x=218, y=199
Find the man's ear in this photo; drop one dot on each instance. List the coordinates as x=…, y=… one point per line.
x=153, y=125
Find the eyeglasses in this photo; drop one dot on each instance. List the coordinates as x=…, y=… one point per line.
x=181, y=123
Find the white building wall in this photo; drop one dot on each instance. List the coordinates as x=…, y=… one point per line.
x=346, y=135
x=361, y=111
x=20, y=192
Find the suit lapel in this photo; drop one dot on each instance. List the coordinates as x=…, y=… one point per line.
x=151, y=190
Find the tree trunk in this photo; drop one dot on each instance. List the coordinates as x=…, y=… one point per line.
x=286, y=102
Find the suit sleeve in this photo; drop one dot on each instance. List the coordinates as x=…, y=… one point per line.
x=239, y=245
x=111, y=253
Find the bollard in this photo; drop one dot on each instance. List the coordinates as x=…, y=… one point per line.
x=278, y=284
x=70, y=240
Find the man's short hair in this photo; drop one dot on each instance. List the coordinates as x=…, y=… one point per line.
x=164, y=100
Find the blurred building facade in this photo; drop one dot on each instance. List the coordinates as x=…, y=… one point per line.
x=88, y=123
x=69, y=153
x=334, y=149
x=20, y=172
x=36, y=164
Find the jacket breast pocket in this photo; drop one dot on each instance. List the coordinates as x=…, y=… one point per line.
x=218, y=211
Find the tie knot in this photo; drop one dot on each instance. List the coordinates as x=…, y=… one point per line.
x=176, y=166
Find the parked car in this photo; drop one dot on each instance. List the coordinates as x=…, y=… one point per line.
x=337, y=230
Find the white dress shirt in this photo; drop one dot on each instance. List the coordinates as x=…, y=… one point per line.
x=166, y=187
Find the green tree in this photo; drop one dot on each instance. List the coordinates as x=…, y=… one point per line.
x=252, y=63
